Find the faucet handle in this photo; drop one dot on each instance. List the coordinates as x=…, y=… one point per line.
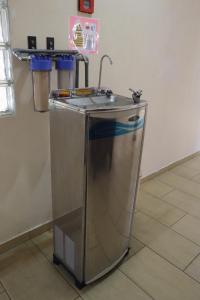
x=136, y=95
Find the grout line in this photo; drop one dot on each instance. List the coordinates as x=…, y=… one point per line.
x=191, y=262
x=179, y=220
x=175, y=206
x=195, y=217
x=5, y=291
x=79, y=297
x=156, y=178
x=36, y=245
x=138, y=241
x=167, y=193
x=195, y=176
x=160, y=180
x=8, y=295
x=129, y=256
x=182, y=192
x=66, y=279
x=2, y=290
x=188, y=178
x=172, y=205
x=186, y=238
x=139, y=286
x=155, y=219
x=182, y=270
x=156, y=196
x=146, y=214
x=173, y=264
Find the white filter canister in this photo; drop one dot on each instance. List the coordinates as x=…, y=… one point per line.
x=41, y=67
x=41, y=89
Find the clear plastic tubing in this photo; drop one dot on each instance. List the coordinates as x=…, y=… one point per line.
x=66, y=69
x=41, y=67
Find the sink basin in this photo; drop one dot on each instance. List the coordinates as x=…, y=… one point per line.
x=96, y=102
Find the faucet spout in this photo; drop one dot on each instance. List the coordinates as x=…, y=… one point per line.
x=101, y=66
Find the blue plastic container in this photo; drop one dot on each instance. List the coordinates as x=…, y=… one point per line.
x=41, y=63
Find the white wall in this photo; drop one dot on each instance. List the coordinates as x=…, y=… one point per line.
x=155, y=46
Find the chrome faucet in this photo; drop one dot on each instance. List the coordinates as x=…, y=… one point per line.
x=101, y=65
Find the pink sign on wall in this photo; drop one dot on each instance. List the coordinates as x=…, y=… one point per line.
x=84, y=35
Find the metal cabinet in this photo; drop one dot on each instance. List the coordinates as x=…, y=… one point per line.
x=95, y=154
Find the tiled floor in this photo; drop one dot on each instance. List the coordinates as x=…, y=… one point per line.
x=163, y=264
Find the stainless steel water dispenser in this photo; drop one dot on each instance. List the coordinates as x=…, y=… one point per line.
x=96, y=147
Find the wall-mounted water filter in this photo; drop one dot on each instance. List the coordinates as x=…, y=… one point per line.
x=66, y=69
x=41, y=67
x=41, y=62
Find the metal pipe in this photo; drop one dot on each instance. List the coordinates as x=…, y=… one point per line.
x=101, y=65
x=77, y=74
x=81, y=57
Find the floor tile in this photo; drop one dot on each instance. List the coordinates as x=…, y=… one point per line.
x=146, y=229
x=1, y=288
x=4, y=296
x=193, y=163
x=159, y=278
x=135, y=246
x=67, y=276
x=189, y=227
x=194, y=269
x=45, y=243
x=156, y=188
x=175, y=248
x=115, y=287
x=196, y=178
x=184, y=201
x=180, y=183
x=158, y=209
x=184, y=171
x=26, y=274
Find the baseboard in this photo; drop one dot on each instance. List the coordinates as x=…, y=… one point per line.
x=169, y=167
x=25, y=237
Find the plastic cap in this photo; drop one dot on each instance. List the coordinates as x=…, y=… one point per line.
x=41, y=63
x=65, y=62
